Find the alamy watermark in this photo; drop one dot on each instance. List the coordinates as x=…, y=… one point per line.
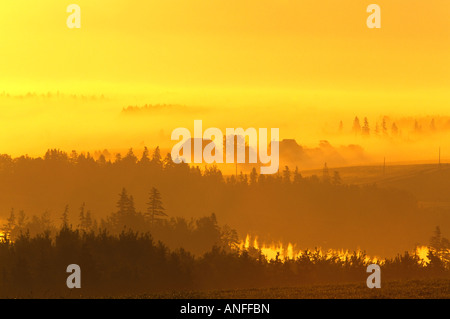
x=74, y=280
x=242, y=146
x=374, y=280
x=74, y=19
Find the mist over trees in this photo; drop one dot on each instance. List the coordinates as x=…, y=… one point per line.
x=195, y=235
x=318, y=210
x=386, y=127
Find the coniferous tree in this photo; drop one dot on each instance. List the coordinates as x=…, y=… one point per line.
x=101, y=160
x=243, y=179
x=417, y=127
x=65, y=217
x=88, y=221
x=145, y=156
x=384, y=126
x=438, y=251
x=131, y=210
x=356, y=126
x=440, y=246
x=123, y=202
x=432, y=125
x=130, y=157
x=337, y=178
x=73, y=157
x=365, y=129
x=286, y=175
x=168, y=163
x=126, y=215
x=156, y=158
x=394, y=129
x=21, y=221
x=297, y=176
x=155, y=208
x=82, y=217
x=253, y=177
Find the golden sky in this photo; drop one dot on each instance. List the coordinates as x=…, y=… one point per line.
x=292, y=58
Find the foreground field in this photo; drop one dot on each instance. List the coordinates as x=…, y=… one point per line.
x=389, y=290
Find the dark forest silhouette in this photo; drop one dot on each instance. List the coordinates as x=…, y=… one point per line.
x=132, y=250
x=132, y=263
x=195, y=235
x=319, y=210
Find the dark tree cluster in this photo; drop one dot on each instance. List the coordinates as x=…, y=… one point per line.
x=196, y=235
x=385, y=127
x=131, y=264
x=309, y=210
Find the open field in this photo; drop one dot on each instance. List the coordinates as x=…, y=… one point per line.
x=437, y=288
x=429, y=183
x=368, y=174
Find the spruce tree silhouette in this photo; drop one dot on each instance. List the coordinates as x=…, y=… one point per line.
x=356, y=126
x=156, y=158
x=155, y=206
x=145, y=159
x=287, y=175
x=297, y=176
x=253, y=177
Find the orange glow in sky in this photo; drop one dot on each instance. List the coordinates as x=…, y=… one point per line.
x=263, y=63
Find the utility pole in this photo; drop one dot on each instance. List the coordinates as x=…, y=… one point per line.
x=384, y=166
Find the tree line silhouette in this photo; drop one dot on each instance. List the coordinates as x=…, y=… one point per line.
x=196, y=235
x=385, y=127
x=135, y=250
x=132, y=263
x=318, y=210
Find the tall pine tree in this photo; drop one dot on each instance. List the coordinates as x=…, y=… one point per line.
x=155, y=208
